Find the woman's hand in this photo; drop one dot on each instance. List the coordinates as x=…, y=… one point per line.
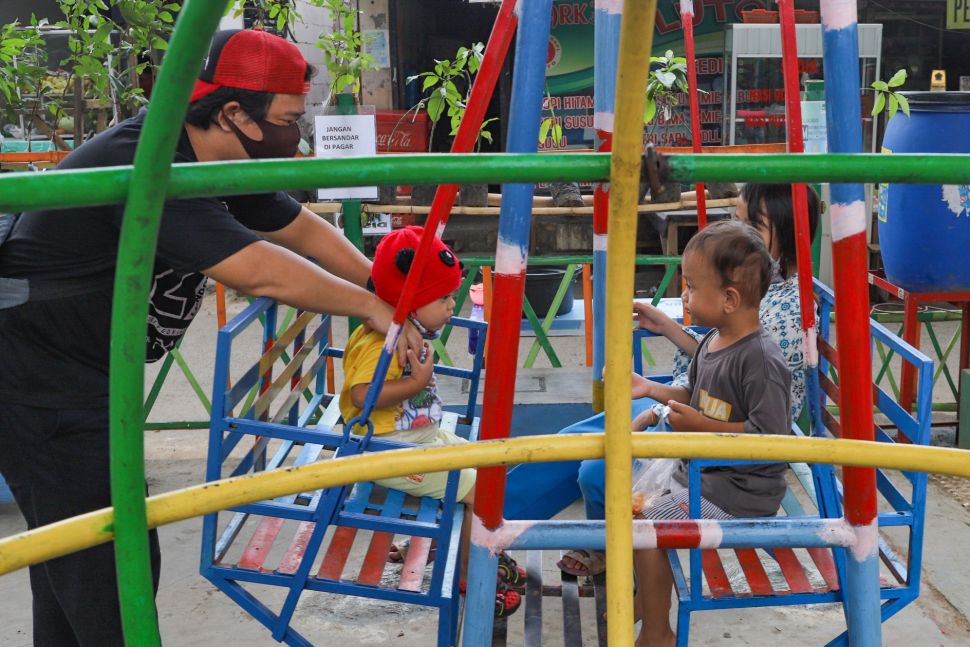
x=650, y=318
x=421, y=371
x=684, y=417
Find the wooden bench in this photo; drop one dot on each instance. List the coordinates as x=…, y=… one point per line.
x=815, y=575
x=336, y=540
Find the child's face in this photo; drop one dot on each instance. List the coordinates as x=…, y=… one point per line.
x=743, y=213
x=436, y=314
x=703, y=296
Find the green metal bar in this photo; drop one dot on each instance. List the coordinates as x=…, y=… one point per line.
x=664, y=284
x=146, y=194
x=177, y=424
x=886, y=359
x=564, y=285
x=530, y=314
x=158, y=383
x=194, y=383
x=943, y=368
x=89, y=187
x=354, y=231
x=442, y=353
x=963, y=428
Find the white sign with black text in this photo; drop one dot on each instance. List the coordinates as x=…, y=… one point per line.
x=340, y=136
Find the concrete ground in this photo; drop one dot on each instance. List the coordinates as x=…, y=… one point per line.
x=194, y=614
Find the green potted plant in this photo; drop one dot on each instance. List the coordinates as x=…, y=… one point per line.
x=668, y=77
x=343, y=53
x=449, y=89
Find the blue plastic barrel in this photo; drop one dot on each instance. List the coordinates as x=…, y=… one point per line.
x=924, y=229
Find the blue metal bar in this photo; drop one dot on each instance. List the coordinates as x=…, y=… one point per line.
x=805, y=532
x=512, y=250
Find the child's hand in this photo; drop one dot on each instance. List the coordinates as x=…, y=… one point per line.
x=684, y=417
x=650, y=318
x=645, y=420
x=641, y=387
x=421, y=371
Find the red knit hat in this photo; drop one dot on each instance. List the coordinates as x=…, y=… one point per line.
x=250, y=59
x=393, y=259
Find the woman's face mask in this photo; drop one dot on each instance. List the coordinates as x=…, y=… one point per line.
x=278, y=141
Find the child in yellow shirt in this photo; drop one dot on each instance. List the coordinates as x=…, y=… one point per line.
x=408, y=408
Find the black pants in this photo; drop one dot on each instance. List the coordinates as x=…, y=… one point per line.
x=56, y=463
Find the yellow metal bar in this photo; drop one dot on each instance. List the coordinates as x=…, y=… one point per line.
x=84, y=531
x=633, y=66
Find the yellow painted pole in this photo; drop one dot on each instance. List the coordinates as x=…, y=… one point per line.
x=77, y=533
x=633, y=66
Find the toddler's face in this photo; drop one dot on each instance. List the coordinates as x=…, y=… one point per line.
x=436, y=314
x=703, y=296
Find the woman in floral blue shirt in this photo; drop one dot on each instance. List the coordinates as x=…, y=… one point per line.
x=541, y=490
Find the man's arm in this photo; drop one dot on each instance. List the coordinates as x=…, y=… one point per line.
x=263, y=269
x=311, y=235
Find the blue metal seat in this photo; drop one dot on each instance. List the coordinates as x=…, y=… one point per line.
x=816, y=575
x=335, y=540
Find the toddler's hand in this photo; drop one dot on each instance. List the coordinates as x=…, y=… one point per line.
x=650, y=318
x=421, y=371
x=644, y=420
x=684, y=417
x=641, y=387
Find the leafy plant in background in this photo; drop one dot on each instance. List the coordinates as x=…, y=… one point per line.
x=550, y=126
x=449, y=86
x=28, y=98
x=668, y=77
x=342, y=47
x=279, y=15
x=885, y=94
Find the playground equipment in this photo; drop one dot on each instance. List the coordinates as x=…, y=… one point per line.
x=294, y=390
x=152, y=180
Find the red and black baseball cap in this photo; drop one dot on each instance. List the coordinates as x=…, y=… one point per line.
x=249, y=59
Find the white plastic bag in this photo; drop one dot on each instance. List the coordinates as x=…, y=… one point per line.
x=651, y=477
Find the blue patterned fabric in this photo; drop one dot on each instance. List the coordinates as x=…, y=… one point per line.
x=781, y=317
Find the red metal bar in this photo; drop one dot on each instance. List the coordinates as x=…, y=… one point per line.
x=717, y=579
x=850, y=258
x=260, y=544
x=333, y=563
x=911, y=335
x=792, y=569
x=826, y=566
x=506, y=315
x=754, y=571
x=478, y=100
x=374, y=561
x=796, y=144
x=687, y=19
x=601, y=194
x=294, y=554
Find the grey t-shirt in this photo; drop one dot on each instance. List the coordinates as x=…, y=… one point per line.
x=746, y=382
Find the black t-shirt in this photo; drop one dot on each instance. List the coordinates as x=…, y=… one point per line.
x=54, y=352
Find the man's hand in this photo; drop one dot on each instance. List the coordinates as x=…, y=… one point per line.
x=684, y=417
x=645, y=420
x=652, y=319
x=421, y=371
x=380, y=320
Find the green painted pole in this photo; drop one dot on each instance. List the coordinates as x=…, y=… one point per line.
x=350, y=212
x=963, y=428
x=146, y=193
x=88, y=187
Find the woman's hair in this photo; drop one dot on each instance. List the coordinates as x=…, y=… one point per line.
x=771, y=205
x=255, y=104
x=738, y=256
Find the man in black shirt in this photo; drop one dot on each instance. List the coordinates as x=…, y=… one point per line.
x=54, y=330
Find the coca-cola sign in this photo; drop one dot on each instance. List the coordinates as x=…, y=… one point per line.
x=400, y=133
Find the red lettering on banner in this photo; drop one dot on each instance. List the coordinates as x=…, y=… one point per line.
x=720, y=8
x=576, y=13
x=664, y=27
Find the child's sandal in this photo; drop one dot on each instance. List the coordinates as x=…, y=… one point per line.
x=509, y=572
x=507, y=601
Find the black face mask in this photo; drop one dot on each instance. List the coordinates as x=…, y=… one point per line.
x=278, y=141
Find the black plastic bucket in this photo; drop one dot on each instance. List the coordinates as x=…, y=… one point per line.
x=541, y=285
